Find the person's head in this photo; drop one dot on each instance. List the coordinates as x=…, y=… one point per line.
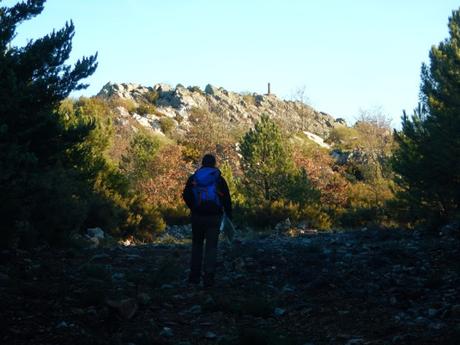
x=209, y=161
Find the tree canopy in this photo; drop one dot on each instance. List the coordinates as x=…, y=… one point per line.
x=265, y=160
x=34, y=79
x=429, y=142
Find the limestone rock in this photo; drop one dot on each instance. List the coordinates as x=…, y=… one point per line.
x=317, y=139
x=236, y=108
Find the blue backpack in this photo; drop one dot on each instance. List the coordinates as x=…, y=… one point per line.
x=205, y=187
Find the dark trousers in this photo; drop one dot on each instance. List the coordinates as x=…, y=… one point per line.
x=204, y=228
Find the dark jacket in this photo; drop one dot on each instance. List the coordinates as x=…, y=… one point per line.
x=224, y=195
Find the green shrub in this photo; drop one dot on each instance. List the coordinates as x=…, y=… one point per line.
x=233, y=184
x=176, y=216
x=277, y=211
x=195, y=89
x=144, y=221
x=167, y=125
x=55, y=190
x=344, y=138
x=368, y=203
x=151, y=96
x=128, y=104
x=137, y=162
x=103, y=212
x=145, y=109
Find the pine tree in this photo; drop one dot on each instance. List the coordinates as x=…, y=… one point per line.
x=34, y=79
x=427, y=160
x=265, y=162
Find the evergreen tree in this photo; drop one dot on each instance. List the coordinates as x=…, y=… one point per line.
x=427, y=160
x=34, y=79
x=265, y=161
x=233, y=184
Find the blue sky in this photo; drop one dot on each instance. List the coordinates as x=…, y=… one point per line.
x=348, y=54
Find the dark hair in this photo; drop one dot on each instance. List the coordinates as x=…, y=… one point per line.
x=208, y=160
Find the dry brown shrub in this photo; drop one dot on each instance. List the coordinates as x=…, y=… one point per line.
x=320, y=168
x=169, y=173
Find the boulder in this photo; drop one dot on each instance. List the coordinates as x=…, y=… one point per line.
x=95, y=233
x=211, y=90
x=162, y=88
x=317, y=139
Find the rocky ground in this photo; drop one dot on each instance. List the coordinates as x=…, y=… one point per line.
x=360, y=287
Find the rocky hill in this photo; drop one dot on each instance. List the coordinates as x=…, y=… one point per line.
x=164, y=101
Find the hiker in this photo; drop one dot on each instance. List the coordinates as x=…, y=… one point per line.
x=207, y=196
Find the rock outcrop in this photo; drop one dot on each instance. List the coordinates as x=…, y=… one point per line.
x=177, y=104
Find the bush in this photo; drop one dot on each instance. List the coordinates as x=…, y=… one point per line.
x=108, y=190
x=344, y=138
x=104, y=213
x=55, y=190
x=145, y=109
x=367, y=204
x=144, y=221
x=195, y=89
x=167, y=125
x=179, y=215
x=209, y=133
x=151, y=96
x=267, y=216
x=233, y=184
x=249, y=99
x=138, y=161
x=128, y=104
x=167, y=175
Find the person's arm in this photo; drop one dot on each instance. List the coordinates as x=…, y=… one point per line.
x=226, y=199
x=187, y=194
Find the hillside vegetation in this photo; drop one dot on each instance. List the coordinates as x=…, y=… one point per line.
x=119, y=160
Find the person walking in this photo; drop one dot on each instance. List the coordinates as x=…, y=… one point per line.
x=207, y=196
